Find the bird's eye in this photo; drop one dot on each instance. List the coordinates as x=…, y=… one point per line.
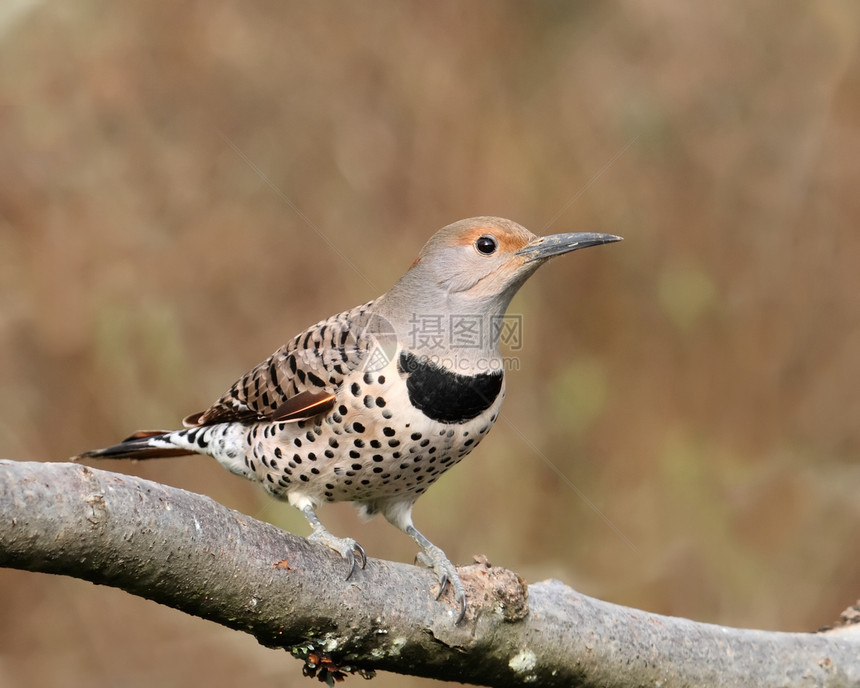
x=486, y=245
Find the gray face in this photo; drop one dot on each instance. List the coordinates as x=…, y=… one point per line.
x=471, y=270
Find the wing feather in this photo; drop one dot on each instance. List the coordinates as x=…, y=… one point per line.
x=301, y=379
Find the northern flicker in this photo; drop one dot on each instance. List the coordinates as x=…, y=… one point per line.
x=374, y=404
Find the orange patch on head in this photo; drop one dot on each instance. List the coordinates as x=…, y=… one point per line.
x=509, y=242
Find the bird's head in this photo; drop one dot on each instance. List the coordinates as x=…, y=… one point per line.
x=473, y=268
x=484, y=260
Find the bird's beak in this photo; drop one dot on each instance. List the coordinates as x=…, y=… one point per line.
x=556, y=244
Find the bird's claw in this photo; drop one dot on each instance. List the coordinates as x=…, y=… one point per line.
x=459, y=595
x=448, y=576
x=357, y=553
x=348, y=548
x=462, y=600
x=443, y=583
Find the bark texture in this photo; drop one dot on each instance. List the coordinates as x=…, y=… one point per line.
x=188, y=552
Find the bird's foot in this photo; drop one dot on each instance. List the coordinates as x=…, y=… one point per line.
x=348, y=548
x=434, y=558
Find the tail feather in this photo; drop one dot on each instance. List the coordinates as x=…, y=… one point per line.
x=144, y=434
x=150, y=444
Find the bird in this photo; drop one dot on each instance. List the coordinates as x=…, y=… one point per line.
x=374, y=404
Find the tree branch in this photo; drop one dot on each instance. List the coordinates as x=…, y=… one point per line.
x=188, y=552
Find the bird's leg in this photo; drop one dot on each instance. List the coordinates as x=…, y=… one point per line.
x=348, y=548
x=398, y=512
x=434, y=558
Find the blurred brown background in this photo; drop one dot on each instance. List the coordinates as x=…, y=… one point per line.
x=167, y=171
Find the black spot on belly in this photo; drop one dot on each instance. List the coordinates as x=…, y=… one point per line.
x=447, y=397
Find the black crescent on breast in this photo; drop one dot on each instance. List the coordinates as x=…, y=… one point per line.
x=448, y=397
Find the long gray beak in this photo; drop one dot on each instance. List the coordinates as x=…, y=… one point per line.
x=556, y=244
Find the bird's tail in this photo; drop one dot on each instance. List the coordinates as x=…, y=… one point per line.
x=148, y=444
